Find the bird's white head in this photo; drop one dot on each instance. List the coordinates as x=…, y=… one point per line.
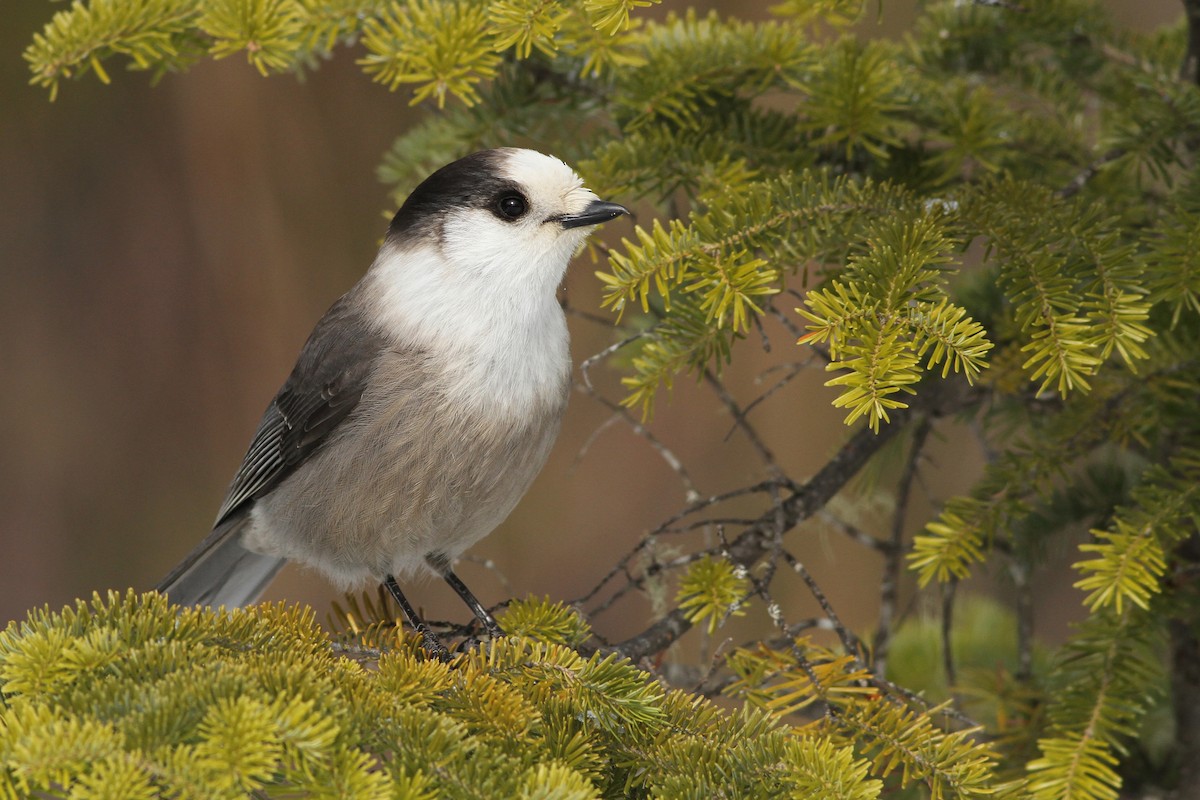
x=476, y=253
x=501, y=216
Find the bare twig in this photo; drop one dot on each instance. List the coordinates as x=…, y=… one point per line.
x=587, y=315
x=667, y=526
x=948, y=711
x=890, y=585
x=849, y=641
x=757, y=539
x=1189, y=70
x=853, y=532
x=785, y=320
x=1007, y=5
x=948, y=592
x=637, y=427
x=493, y=568
x=1087, y=173
x=589, y=362
x=613, y=419
x=760, y=539
x=792, y=370
x=740, y=421
x=1019, y=570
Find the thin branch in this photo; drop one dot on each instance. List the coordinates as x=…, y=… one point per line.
x=758, y=540
x=793, y=369
x=892, y=566
x=498, y=573
x=587, y=315
x=1019, y=569
x=948, y=592
x=849, y=641
x=853, y=532
x=638, y=428
x=591, y=440
x=709, y=522
x=589, y=362
x=740, y=421
x=666, y=526
x=1087, y=173
x=1189, y=70
x=947, y=711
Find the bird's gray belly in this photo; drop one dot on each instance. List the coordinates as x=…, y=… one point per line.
x=405, y=477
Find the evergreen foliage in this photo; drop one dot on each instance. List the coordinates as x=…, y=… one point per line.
x=127, y=696
x=996, y=218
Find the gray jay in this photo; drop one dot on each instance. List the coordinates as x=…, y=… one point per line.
x=425, y=400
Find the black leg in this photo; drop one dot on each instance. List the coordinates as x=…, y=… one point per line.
x=481, y=613
x=431, y=643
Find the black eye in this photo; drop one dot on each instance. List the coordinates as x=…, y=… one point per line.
x=511, y=206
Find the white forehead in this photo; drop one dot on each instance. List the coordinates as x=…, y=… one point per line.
x=545, y=178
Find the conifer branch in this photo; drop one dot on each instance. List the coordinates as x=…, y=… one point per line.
x=1131, y=555
x=756, y=540
x=1011, y=189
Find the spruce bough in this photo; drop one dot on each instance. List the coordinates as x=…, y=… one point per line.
x=996, y=218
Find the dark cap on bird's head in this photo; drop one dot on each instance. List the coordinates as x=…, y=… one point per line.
x=503, y=181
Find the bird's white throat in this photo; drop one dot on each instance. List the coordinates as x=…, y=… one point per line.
x=503, y=338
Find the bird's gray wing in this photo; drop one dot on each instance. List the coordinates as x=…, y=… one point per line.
x=323, y=390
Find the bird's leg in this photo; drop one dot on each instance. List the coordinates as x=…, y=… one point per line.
x=442, y=567
x=429, y=641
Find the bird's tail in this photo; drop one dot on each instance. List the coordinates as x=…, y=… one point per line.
x=220, y=572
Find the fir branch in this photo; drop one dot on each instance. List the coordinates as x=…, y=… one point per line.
x=887, y=311
x=693, y=65
x=787, y=681
x=441, y=47
x=1131, y=555
x=713, y=590
x=612, y=16
x=525, y=24
x=891, y=734
x=328, y=22
x=852, y=102
x=1076, y=291
x=684, y=341
x=270, y=32
x=830, y=772
x=200, y=703
x=598, y=54
x=659, y=159
x=950, y=764
x=153, y=34
x=969, y=525
x=790, y=220
x=878, y=365
x=1106, y=676
x=1172, y=255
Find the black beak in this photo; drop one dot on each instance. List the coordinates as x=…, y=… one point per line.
x=597, y=212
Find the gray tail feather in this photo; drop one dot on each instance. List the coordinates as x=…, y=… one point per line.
x=220, y=572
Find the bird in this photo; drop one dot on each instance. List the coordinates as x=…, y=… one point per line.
x=423, y=403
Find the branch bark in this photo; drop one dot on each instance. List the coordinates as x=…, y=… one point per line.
x=1190, y=69
x=1185, y=682
x=758, y=539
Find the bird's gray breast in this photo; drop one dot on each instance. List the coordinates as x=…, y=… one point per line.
x=413, y=472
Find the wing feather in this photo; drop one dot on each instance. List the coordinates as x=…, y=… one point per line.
x=322, y=392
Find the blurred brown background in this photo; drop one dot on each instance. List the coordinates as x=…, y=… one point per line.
x=165, y=250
